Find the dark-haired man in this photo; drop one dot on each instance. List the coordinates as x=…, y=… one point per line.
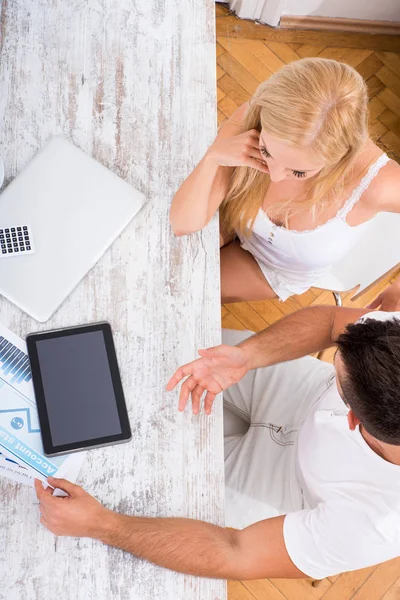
x=312, y=457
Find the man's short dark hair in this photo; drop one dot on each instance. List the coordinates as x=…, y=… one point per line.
x=370, y=350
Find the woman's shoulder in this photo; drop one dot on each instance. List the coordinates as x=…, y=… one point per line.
x=383, y=192
x=235, y=123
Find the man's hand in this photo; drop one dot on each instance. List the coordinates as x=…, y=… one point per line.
x=216, y=370
x=76, y=515
x=389, y=300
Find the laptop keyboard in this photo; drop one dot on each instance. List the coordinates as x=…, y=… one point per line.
x=15, y=240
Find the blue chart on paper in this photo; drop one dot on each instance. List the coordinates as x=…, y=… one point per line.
x=14, y=362
x=20, y=440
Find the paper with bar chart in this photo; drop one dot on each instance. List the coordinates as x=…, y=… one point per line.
x=21, y=450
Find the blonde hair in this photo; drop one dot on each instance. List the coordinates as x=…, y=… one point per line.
x=313, y=103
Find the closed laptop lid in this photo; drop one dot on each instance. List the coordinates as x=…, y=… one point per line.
x=75, y=208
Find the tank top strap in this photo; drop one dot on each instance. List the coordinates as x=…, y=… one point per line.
x=363, y=185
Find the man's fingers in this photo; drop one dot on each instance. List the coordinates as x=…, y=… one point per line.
x=197, y=393
x=181, y=373
x=44, y=510
x=39, y=486
x=186, y=388
x=208, y=402
x=63, y=484
x=43, y=495
x=176, y=378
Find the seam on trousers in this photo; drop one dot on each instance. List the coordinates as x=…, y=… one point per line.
x=272, y=430
x=240, y=413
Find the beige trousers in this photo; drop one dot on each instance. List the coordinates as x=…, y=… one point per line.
x=262, y=417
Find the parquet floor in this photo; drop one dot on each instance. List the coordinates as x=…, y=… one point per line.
x=246, y=55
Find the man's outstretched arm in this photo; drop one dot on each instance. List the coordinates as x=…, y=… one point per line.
x=304, y=332
x=182, y=545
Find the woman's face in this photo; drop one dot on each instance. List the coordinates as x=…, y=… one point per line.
x=287, y=162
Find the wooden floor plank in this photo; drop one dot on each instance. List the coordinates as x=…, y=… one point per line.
x=268, y=311
x=391, y=141
x=237, y=591
x=301, y=589
x=355, y=56
x=375, y=86
x=282, y=51
x=233, y=89
x=348, y=584
x=391, y=60
x=369, y=66
x=308, y=50
x=245, y=313
x=221, y=10
x=240, y=51
x=220, y=94
x=290, y=305
x=387, y=77
x=220, y=72
x=229, y=321
x=304, y=299
x=221, y=118
x=294, y=46
x=333, y=53
x=227, y=106
x=379, y=582
x=377, y=130
x=390, y=100
x=391, y=121
x=265, y=55
x=375, y=108
x=220, y=50
x=263, y=589
x=233, y=68
x=393, y=592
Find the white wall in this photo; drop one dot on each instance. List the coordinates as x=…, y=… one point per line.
x=270, y=11
x=376, y=10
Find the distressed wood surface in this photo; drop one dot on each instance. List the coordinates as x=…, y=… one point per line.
x=132, y=83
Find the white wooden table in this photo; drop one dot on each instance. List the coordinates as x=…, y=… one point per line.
x=132, y=82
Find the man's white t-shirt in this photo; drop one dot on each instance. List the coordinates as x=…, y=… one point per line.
x=353, y=519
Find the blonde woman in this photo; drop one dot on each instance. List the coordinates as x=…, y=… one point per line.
x=296, y=179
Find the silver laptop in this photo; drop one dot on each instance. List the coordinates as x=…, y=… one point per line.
x=66, y=209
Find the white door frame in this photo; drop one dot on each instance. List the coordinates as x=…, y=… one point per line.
x=266, y=11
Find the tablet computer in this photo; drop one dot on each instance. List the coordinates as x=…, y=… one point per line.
x=78, y=389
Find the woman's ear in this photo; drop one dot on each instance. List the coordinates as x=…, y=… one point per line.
x=352, y=420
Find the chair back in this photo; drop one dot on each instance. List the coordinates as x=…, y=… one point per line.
x=376, y=253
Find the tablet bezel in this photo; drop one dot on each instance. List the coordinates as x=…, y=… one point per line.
x=49, y=448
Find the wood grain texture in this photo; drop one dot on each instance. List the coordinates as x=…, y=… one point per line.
x=229, y=25
x=339, y=24
x=133, y=84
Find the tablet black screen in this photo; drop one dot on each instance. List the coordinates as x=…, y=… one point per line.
x=78, y=388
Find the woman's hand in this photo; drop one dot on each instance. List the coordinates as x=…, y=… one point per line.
x=238, y=151
x=389, y=300
x=216, y=370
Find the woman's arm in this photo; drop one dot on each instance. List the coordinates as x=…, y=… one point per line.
x=200, y=195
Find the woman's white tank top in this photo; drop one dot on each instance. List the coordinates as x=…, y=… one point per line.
x=297, y=259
